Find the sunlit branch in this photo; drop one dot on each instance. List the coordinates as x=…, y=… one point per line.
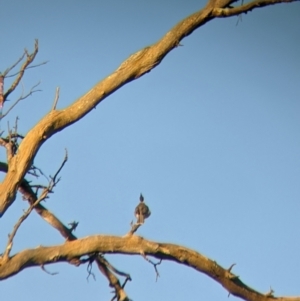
x=233, y=11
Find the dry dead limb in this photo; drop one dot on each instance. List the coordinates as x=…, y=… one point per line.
x=105, y=267
x=153, y=263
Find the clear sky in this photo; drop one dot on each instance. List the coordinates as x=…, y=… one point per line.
x=210, y=137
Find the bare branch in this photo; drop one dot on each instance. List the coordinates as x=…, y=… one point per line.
x=60, y=168
x=22, y=96
x=113, y=280
x=233, y=11
x=56, y=120
x=5, y=73
x=20, y=221
x=29, y=60
x=131, y=245
x=29, y=67
x=134, y=67
x=45, y=214
x=42, y=197
x=154, y=264
x=26, y=190
x=134, y=228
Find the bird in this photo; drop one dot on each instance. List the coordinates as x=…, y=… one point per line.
x=142, y=211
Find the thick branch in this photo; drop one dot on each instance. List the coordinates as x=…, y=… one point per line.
x=135, y=66
x=132, y=245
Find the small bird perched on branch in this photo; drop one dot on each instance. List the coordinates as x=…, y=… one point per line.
x=142, y=211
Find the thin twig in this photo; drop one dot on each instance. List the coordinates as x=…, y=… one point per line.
x=44, y=269
x=21, y=98
x=33, y=172
x=153, y=263
x=13, y=66
x=55, y=99
x=42, y=197
x=29, y=67
x=29, y=60
x=90, y=260
x=61, y=167
x=20, y=221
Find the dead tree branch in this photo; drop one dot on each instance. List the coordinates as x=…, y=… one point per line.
x=30, y=58
x=131, y=69
x=42, y=197
x=131, y=245
x=28, y=194
x=233, y=11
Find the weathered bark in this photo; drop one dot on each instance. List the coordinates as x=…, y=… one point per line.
x=134, y=67
x=132, y=245
x=73, y=249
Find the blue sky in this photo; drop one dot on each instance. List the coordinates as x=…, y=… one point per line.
x=210, y=137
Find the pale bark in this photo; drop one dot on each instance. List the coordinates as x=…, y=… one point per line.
x=73, y=249
x=132, y=245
